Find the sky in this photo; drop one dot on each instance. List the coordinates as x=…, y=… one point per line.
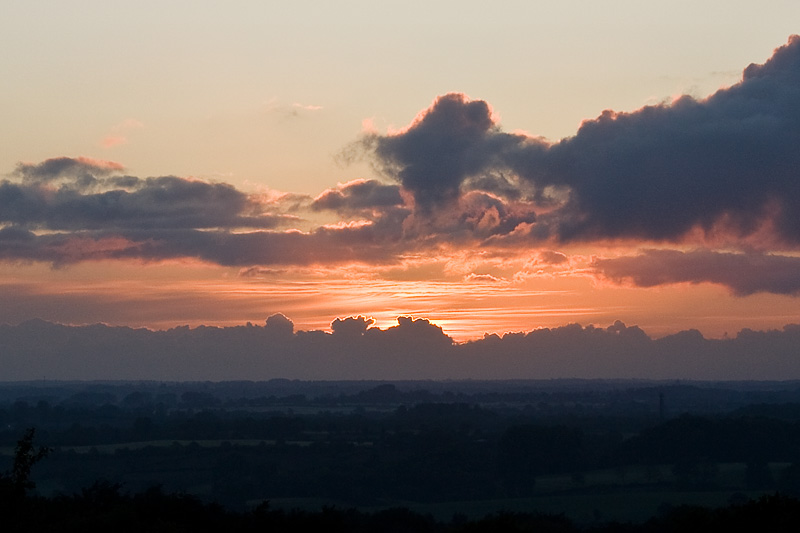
x=489, y=169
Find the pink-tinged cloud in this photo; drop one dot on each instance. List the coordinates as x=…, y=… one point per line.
x=742, y=273
x=113, y=140
x=307, y=107
x=550, y=257
x=483, y=278
x=119, y=133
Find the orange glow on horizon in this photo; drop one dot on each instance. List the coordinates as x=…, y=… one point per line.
x=162, y=296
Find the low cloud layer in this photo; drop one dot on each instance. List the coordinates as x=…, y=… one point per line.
x=226, y=248
x=413, y=349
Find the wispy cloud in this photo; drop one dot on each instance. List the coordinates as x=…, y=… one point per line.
x=293, y=110
x=119, y=133
x=307, y=107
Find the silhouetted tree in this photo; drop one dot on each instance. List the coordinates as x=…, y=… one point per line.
x=16, y=483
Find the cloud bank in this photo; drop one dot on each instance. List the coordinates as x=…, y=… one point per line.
x=413, y=349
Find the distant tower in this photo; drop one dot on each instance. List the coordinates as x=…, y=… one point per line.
x=661, y=406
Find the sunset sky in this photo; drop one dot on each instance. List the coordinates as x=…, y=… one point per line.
x=528, y=165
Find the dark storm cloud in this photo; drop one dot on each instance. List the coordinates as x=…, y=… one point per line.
x=743, y=274
x=456, y=138
x=660, y=171
x=730, y=161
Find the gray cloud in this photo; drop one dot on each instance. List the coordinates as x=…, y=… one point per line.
x=743, y=274
x=357, y=196
x=81, y=169
x=162, y=202
x=80, y=194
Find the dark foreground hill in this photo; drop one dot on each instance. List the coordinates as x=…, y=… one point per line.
x=578, y=454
